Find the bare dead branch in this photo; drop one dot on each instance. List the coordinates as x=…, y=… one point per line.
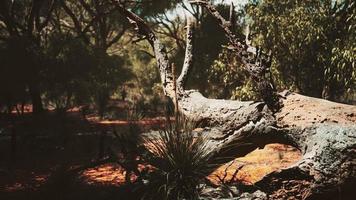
x=188, y=59
x=232, y=17
x=254, y=60
x=142, y=28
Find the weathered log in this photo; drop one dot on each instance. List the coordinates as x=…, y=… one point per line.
x=323, y=131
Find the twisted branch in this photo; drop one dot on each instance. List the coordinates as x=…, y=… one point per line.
x=166, y=71
x=160, y=52
x=255, y=62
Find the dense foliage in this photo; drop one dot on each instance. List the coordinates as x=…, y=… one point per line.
x=60, y=54
x=313, y=44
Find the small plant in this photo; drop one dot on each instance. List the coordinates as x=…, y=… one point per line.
x=181, y=159
x=128, y=149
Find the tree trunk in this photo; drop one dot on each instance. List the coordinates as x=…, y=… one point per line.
x=35, y=94
x=322, y=130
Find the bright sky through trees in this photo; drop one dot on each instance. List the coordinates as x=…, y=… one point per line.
x=181, y=12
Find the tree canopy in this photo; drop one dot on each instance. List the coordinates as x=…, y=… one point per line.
x=67, y=53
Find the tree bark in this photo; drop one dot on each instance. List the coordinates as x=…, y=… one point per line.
x=323, y=131
x=37, y=106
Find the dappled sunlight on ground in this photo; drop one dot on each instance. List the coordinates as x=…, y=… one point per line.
x=109, y=174
x=79, y=149
x=105, y=174
x=146, y=123
x=255, y=165
x=26, y=181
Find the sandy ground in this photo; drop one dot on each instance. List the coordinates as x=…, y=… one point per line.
x=33, y=168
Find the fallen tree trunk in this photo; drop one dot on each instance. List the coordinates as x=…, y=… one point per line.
x=323, y=131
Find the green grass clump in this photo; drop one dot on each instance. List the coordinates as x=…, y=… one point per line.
x=181, y=159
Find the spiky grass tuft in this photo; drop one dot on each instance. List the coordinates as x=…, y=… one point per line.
x=182, y=161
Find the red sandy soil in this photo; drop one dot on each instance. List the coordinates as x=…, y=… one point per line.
x=108, y=174
x=255, y=165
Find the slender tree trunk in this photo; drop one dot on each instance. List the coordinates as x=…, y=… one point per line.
x=35, y=95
